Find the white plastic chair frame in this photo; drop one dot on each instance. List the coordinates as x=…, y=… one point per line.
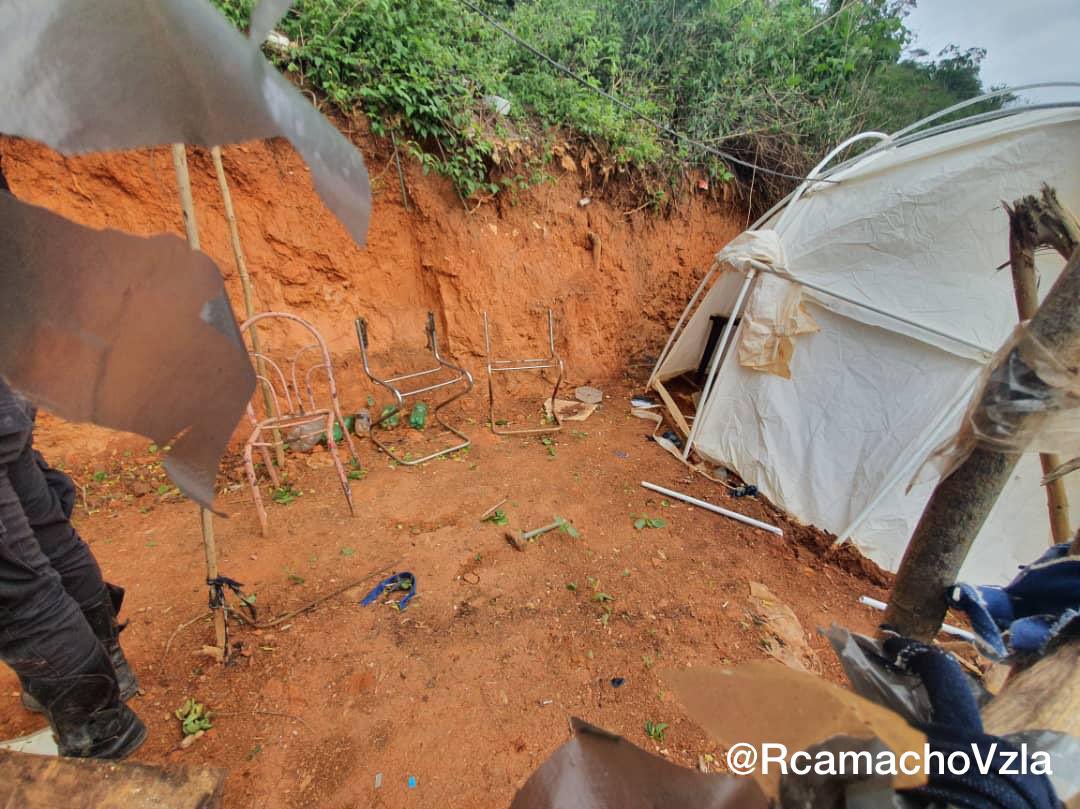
x=400, y=395
x=290, y=408
x=509, y=366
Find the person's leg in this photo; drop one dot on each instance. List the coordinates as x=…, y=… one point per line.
x=42, y=501
x=46, y=639
x=56, y=536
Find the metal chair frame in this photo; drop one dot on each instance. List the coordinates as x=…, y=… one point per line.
x=541, y=364
x=400, y=395
x=290, y=408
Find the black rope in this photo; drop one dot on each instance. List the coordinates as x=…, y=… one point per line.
x=217, y=587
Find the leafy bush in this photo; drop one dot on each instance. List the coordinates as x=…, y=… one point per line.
x=774, y=82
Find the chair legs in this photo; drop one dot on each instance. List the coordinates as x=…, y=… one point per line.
x=253, y=481
x=331, y=445
x=253, y=478
x=271, y=470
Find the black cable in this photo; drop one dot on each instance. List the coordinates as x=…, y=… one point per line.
x=662, y=127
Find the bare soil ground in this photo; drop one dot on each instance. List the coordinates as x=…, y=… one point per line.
x=470, y=688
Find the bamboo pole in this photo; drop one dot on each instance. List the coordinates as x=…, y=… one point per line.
x=1026, y=289
x=191, y=226
x=961, y=502
x=249, y=297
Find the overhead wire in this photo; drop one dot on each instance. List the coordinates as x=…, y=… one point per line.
x=658, y=125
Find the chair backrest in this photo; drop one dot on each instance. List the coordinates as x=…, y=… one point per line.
x=288, y=380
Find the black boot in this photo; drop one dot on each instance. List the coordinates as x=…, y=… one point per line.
x=86, y=714
x=102, y=619
x=101, y=615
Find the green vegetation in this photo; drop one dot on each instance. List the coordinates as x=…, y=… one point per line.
x=283, y=495
x=774, y=82
x=566, y=527
x=655, y=730
x=193, y=717
x=498, y=517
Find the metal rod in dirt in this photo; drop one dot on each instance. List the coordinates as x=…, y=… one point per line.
x=206, y=518
x=764, y=526
x=542, y=530
x=491, y=510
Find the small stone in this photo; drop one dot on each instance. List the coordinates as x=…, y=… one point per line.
x=588, y=395
x=471, y=578
x=378, y=780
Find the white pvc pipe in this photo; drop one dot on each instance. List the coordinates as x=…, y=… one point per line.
x=813, y=176
x=717, y=358
x=764, y=526
x=955, y=631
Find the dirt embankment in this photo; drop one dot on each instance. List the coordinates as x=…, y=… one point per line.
x=615, y=280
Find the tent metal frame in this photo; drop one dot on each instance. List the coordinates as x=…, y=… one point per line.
x=910, y=134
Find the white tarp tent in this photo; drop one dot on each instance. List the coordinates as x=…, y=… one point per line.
x=897, y=263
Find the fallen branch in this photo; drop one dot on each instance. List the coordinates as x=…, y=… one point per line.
x=176, y=632
x=366, y=579
x=281, y=618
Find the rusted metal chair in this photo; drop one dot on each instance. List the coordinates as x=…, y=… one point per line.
x=442, y=367
x=292, y=398
x=541, y=364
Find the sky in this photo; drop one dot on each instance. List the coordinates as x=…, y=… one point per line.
x=1033, y=41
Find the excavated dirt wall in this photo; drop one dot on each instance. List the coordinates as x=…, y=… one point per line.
x=616, y=281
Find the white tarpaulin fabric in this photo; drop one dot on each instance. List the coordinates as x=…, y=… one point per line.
x=916, y=231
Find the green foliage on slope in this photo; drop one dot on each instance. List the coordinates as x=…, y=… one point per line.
x=774, y=82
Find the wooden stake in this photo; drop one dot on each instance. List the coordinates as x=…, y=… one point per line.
x=961, y=502
x=1026, y=289
x=249, y=297
x=187, y=205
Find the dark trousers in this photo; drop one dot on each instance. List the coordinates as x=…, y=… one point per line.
x=47, y=573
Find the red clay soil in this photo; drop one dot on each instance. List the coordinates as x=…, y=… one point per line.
x=470, y=688
x=615, y=280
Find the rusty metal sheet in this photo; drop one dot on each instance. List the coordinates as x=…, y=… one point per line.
x=128, y=332
x=265, y=16
x=86, y=75
x=766, y=702
x=599, y=770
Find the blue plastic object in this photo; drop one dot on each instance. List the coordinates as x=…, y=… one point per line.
x=399, y=581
